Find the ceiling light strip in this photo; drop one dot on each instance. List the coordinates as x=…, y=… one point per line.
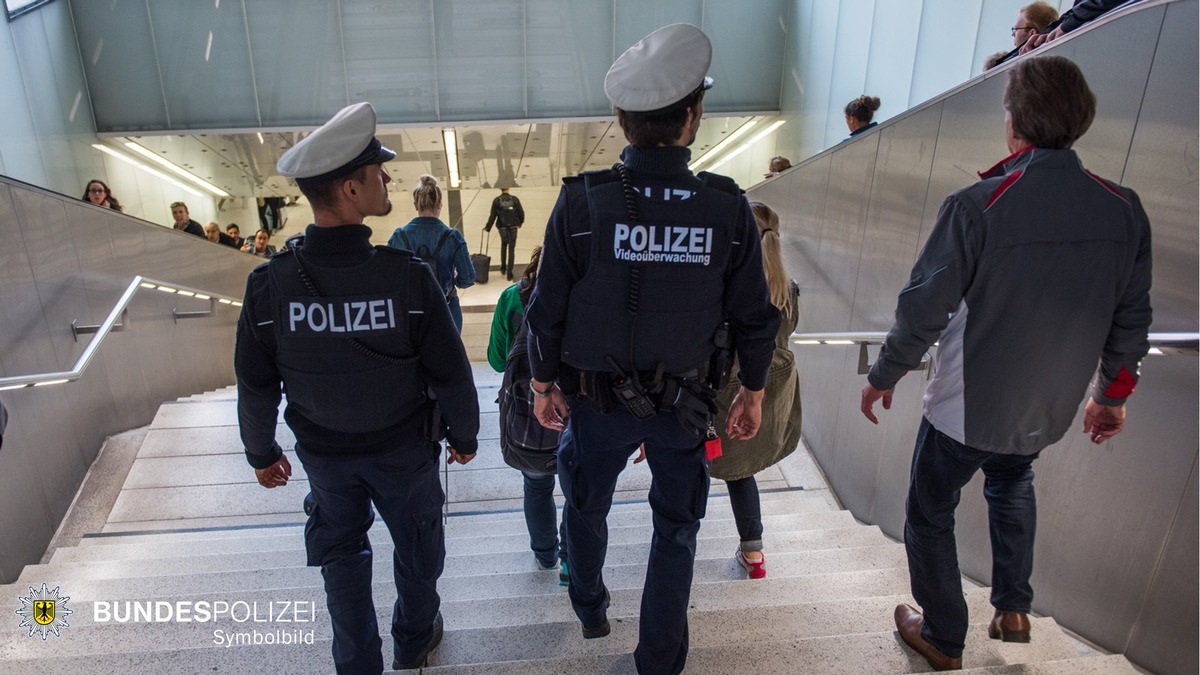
x=725, y=143
x=174, y=168
x=744, y=146
x=153, y=172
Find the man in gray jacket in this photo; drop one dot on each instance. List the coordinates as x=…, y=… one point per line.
x=1030, y=277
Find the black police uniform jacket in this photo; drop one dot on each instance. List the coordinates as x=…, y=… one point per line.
x=695, y=248
x=342, y=400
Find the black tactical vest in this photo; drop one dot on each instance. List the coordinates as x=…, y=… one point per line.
x=657, y=282
x=327, y=379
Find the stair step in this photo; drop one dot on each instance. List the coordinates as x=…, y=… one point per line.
x=789, y=501
x=866, y=652
x=467, y=562
x=496, y=536
x=517, y=582
x=315, y=659
x=1099, y=664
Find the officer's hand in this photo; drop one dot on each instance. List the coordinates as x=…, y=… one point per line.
x=869, y=395
x=551, y=411
x=641, y=454
x=487, y=229
x=452, y=456
x=276, y=475
x=1102, y=422
x=745, y=414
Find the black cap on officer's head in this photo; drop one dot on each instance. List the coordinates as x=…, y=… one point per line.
x=337, y=148
x=663, y=71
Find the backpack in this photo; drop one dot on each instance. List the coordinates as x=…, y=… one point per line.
x=431, y=259
x=524, y=442
x=508, y=211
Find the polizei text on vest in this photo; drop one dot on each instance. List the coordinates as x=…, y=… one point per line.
x=663, y=243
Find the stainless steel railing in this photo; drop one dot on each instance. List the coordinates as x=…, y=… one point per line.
x=110, y=324
x=1160, y=344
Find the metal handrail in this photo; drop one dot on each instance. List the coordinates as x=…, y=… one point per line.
x=110, y=325
x=1160, y=344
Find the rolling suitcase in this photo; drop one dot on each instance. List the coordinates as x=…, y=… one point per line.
x=482, y=261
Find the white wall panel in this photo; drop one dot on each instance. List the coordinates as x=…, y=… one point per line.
x=894, y=34
x=946, y=48
x=19, y=151
x=851, y=59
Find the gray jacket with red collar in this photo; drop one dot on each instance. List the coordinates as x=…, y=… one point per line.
x=1029, y=278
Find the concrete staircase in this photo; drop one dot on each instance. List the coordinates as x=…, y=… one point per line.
x=172, y=513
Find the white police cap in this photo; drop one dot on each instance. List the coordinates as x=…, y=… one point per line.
x=337, y=148
x=661, y=71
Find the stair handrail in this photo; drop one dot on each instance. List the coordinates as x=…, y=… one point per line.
x=109, y=325
x=1160, y=344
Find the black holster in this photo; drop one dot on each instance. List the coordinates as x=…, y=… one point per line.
x=433, y=428
x=695, y=404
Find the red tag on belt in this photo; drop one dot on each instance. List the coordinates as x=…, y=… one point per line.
x=712, y=449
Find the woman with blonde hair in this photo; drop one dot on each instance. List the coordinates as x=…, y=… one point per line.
x=780, y=430
x=443, y=248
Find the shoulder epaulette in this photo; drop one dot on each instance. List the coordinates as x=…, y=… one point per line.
x=723, y=183
x=280, y=254
x=388, y=250
x=597, y=177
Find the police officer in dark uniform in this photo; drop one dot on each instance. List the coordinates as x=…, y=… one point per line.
x=643, y=266
x=357, y=336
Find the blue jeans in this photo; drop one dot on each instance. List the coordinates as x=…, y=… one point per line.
x=594, y=450
x=455, y=306
x=541, y=516
x=747, y=512
x=941, y=466
x=403, y=485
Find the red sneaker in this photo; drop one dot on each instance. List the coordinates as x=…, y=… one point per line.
x=754, y=569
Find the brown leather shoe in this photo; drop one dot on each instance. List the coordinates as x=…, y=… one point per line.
x=1009, y=627
x=908, y=622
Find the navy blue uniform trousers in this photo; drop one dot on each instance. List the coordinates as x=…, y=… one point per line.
x=403, y=486
x=941, y=466
x=594, y=450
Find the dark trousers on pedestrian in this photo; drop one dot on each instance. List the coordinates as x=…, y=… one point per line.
x=547, y=537
x=403, y=486
x=941, y=466
x=594, y=450
x=747, y=512
x=508, y=249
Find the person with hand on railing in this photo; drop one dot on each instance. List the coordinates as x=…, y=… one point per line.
x=777, y=165
x=1082, y=12
x=780, y=431
x=1029, y=278
x=362, y=340
x=260, y=245
x=1032, y=19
